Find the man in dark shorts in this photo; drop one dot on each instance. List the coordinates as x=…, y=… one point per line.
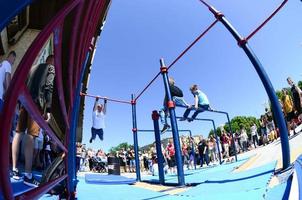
x=40, y=85
x=98, y=120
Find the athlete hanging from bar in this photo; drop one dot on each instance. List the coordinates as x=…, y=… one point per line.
x=98, y=119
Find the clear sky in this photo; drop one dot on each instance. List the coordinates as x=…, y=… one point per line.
x=138, y=33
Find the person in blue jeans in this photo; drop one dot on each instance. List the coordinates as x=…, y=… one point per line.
x=201, y=104
x=177, y=97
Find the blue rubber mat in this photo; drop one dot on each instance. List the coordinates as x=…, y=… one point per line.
x=195, y=176
x=108, y=179
x=250, y=184
x=276, y=192
x=114, y=192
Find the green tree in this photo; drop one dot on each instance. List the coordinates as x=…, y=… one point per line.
x=119, y=147
x=300, y=84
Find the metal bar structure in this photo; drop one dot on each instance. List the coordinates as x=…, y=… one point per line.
x=135, y=140
x=230, y=127
x=105, y=98
x=178, y=57
x=215, y=132
x=159, y=141
x=16, y=88
x=71, y=169
x=160, y=157
x=18, y=91
x=267, y=20
x=74, y=34
x=171, y=107
x=265, y=81
x=57, y=35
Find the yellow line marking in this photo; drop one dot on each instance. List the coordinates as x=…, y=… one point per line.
x=160, y=188
x=247, y=164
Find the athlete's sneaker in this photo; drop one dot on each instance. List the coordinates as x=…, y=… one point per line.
x=182, y=119
x=190, y=119
x=16, y=175
x=31, y=182
x=165, y=128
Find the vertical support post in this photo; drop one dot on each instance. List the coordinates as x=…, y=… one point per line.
x=171, y=107
x=266, y=83
x=217, y=142
x=160, y=159
x=71, y=167
x=232, y=134
x=135, y=141
x=193, y=149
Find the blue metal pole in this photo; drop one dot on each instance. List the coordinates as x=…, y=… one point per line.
x=135, y=141
x=73, y=133
x=232, y=134
x=267, y=85
x=215, y=132
x=160, y=159
x=192, y=146
x=171, y=107
x=217, y=141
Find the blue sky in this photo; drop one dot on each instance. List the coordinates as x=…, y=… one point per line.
x=138, y=33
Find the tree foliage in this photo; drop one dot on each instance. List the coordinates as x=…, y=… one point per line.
x=121, y=146
x=238, y=122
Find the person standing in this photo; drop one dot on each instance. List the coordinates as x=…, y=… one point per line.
x=288, y=109
x=170, y=154
x=5, y=75
x=40, y=85
x=297, y=96
x=98, y=119
x=254, y=134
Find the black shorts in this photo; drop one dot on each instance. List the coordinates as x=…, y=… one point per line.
x=290, y=116
x=171, y=161
x=95, y=132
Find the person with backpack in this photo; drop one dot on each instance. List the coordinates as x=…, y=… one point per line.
x=40, y=85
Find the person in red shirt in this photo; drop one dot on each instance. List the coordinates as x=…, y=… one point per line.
x=170, y=154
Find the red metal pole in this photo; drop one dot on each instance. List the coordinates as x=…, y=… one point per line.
x=41, y=190
x=35, y=114
x=265, y=21
x=73, y=48
x=14, y=91
x=58, y=66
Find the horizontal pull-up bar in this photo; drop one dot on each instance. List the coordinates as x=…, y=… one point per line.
x=105, y=98
x=149, y=130
x=183, y=53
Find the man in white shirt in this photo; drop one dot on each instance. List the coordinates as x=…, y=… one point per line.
x=98, y=120
x=5, y=75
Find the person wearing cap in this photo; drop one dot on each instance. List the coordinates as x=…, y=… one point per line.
x=98, y=120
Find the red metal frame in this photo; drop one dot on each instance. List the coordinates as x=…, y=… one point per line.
x=57, y=35
x=19, y=91
x=72, y=48
x=183, y=53
x=39, y=191
x=32, y=109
